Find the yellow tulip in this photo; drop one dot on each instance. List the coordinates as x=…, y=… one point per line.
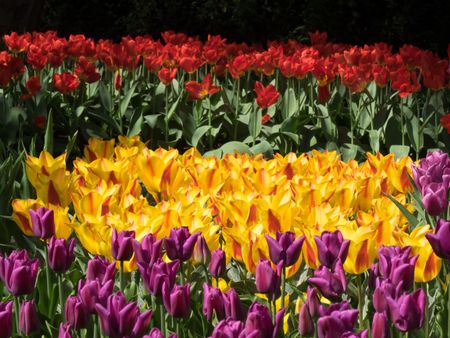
x=362, y=251
x=97, y=148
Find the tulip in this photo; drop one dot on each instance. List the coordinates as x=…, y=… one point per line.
x=180, y=243
x=349, y=334
x=331, y=284
x=336, y=324
x=434, y=168
x=213, y=302
x=434, y=198
x=284, y=247
x=100, y=269
x=166, y=75
x=6, y=322
x=407, y=312
x=266, y=96
x=259, y=322
x=380, y=328
x=148, y=251
x=328, y=310
x=331, y=247
x=177, y=301
x=312, y=301
x=201, y=253
x=29, y=319
x=122, y=319
x=77, y=314
x=92, y=292
x=305, y=322
x=440, y=239
x=198, y=91
x=19, y=273
x=154, y=333
x=122, y=245
x=60, y=254
x=233, y=305
x=43, y=223
x=227, y=328
x=64, y=331
x=267, y=280
x=396, y=265
x=217, y=265
x=155, y=276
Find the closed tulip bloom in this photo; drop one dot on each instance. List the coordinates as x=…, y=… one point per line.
x=77, y=314
x=328, y=310
x=407, y=312
x=434, y=198
x=227, y=328
x=233, y=305
x=331, y=246
x=42, y=222
x=331, y=284
x=122, y=245
x=64, y=331
x=259, y=322
x=439, y=241
x=92, y=292
x=154, y=333
x=396, y=265
x=29, y=319
x=285, y=247
x=166, y=75
x=6, y=322
x=180, y=243
x=380, y=328
x=148, y=251
x=155, y=276
x=213, y=302
x=201, y=253
x=60, y=254
x=336, y=324
x=19, y=273
x=177, y=301
x=100, y=269
x=217, y=264
x=350, y=334
x=268, y=281
x=305, y=322
x=122, y=319
x=312, y=301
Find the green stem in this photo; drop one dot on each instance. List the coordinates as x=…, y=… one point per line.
x=163, y=320
x=283, y=285
x=96, y=327
x=425, y=327
x=351, y=116
x=17, y=313
x=121, y=277
x=360, y=302
x=402, y=125
x=47, y=271
x=61, y=296
x=236, y=111
x=166, y=117
x=210, y=138
x=205, y=270
x=181, y=273
x=177, y=327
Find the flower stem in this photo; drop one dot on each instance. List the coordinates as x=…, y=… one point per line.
x=17, y=313
x=360, y=302
x=236, y=111
x=210, y=138
x=61, y=296
x=47, y=271
x=163, y=319
x=181, y=273
x=121, y=277
x=425, y=327
x=283, y=285
x=166, y=117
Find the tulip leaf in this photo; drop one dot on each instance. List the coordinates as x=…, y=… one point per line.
x=399, y=151
x=412, y=220
x=254, y=123
x=264, y=148
x=126, y=100
x=214, y=153
x=235, y=146
x=136, y=121
x=48, y=138
x=105, y=97
x=290, y=104
x=198, y=134
x=71, y=143
x=374, y=139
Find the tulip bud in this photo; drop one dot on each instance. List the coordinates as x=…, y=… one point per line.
x=180, y=243
x=100, y=269
x=19, y=273
x=60, y=254
x=408, y=311
x=213, y=302
x=439, y=240
x=122, y=245
x=77, y=314
x=148, y=251
x=64, y=331
x=201, y=254
x=331, y=284
x=154, y=333
x=6, y=322
x=233, y=305
x=380, y=328
x=177, y=301
x=29, y=319
x=155, y=276
x=305, y=322
x=266, y=277
x=435, y=198
x=312, y=301
x=217, y=265
x=43, y=223
x=331, y=247
x=259, y=322
x=228, y=328
x=285, y=247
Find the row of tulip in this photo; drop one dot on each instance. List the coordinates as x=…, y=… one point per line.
x=184, y=92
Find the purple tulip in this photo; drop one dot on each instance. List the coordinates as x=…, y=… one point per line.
x=259, y=323
x=77, y=314
x=336, y=324
x=64, y=331
x=177, y=301
x=100, y=269
x=201, y=253
x=312, y=301
x=396, y=265
x=122, y=319
x=380, y=328
x=407, y=312
x=331, y=247
x=227, y=328
x=18, y=272
x=268, y=281
x=122, y=245
x=331, y=284
x=233, y=305
x=154, y=333
x=440, y=239
x=434, y=198
x=29, y=319
x=350, y=334
x=305, y=322
x=42, y=223
x=434, y=168
x=213, y=302
x=155, y=276
x=218, y=262
x=6, y=322
x=60, y=254
x=180, y=243
x=284, y=247
x=148, y=251
x=328, y=310
x=92, y=292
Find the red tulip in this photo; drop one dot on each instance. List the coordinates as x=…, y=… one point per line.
x=266, y=96
x=198, y=91
x=65, y=82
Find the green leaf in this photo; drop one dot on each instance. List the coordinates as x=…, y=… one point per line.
x=152, y=120
x=106, y=117
x=71, y=144
x=198, y=134
x=374, y=139
x=136, y=121
x=105, y=97
x=412, y=220
x=254, y=123
x=263, y=147
x=349, y=151
x=172, y=109
x=235, y=146
x=399, y=151
x=290, y=104
x=214, y=153
x=48, y=138
x=126, y=100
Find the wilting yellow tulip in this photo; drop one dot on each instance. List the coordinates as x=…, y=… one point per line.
x=21, y=215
